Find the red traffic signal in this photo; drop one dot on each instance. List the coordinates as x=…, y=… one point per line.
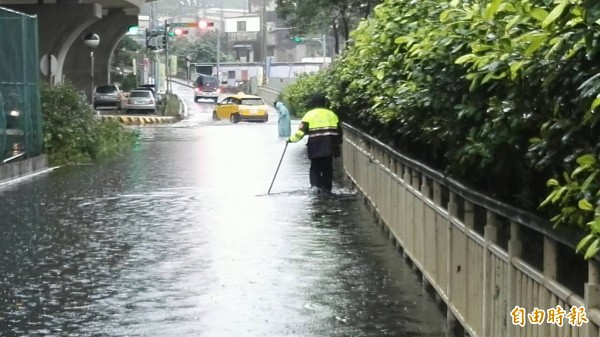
x=180, y=31
x=205, y=24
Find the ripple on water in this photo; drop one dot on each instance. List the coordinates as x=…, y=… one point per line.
x=163, y=244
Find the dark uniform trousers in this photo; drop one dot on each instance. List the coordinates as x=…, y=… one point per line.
x=321, y=172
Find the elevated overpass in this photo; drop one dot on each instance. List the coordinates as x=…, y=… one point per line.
x=62, y=25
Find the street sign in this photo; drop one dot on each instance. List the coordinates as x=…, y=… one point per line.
x=202, y=24
x=45, y=64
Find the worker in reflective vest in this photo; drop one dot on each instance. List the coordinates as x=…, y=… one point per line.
x=324, y=141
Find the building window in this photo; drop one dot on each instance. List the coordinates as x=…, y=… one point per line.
x=241, y=26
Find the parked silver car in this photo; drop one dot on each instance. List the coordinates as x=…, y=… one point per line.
x=141, y=100
x=159, y=95
x=107, y=95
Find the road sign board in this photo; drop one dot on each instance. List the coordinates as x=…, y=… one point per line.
x=45, y=64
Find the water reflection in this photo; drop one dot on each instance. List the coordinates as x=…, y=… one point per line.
x=174, y=239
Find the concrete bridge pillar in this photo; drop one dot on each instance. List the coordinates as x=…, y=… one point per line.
x=61, y=29
x=77, y=66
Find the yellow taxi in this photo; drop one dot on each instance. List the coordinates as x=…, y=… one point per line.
x=241, y=107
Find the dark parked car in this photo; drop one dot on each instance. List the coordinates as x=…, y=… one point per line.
x=206, y=87
x=107, y=95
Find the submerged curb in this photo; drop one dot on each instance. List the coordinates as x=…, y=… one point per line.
x=140, y=120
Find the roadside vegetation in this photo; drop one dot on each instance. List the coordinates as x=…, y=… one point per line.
x=339, y=16
x=203, y=49
x=171, y=106
x=487, y=92
x=122, y=63
x=72, y=133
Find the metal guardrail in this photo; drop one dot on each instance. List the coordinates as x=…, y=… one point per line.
x=469, y=247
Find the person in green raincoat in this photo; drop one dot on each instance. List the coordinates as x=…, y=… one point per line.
x=284, y=123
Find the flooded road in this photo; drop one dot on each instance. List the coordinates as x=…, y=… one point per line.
x=177, y=238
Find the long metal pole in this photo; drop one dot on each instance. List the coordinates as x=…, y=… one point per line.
x=278, y=165
x=167, y=72
x=263, y=28
x=92, y=75
x=219, y=45
x=324, y=50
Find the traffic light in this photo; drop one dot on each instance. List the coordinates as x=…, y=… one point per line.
x=297, y=39
x=132, y=30
x=163, y=38
x=205, y=24
x=178, y=32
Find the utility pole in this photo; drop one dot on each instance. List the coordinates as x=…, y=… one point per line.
x=324, y=50
x=152, y=16
x=167, y=72
x=263, y=28
x=219, y=45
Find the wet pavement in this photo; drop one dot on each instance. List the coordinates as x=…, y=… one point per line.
x=177, y=238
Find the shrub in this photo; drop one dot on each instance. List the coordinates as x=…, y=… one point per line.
x=170, y=106
x=72, y=133
x=485, y=91
x=129, y=82
x=296, y=95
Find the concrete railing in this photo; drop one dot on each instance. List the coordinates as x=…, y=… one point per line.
x=23, y=168
x=470, y=248
x=268, y=94
x=280, y=83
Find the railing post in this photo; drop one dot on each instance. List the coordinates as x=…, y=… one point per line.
x=437, y=194
x=469, y=215
x=407, y=177
x=490, y=234
x=452, y=211
x=514, y=251
x=549, y=272
x=451, y=319
x=592, y=296
x=425, y=193
x=415, y=179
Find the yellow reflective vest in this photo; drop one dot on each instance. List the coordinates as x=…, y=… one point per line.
x=324, y=133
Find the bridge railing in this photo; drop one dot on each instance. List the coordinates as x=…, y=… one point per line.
x=269, y=94
x=475, y=252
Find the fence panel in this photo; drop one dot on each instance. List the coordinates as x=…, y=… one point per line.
x=20, y=107
x=486, y=275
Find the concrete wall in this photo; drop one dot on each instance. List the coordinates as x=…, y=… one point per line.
x=280, y=83
x=22, y=168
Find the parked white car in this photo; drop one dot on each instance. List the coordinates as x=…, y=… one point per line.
x=141, y=100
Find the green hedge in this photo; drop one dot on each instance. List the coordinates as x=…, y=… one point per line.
x=72, y=132
x=170, y=106
x=486, y=91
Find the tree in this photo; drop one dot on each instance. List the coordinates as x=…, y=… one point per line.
x=201, y=50
x=341, y=16
x=123, y=55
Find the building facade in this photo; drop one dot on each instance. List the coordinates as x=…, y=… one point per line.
x=241, y=24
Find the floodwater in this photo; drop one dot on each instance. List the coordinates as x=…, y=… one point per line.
x=177, y=238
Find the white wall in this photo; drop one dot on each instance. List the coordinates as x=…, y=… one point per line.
x=278, y=70
x=252, y=24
